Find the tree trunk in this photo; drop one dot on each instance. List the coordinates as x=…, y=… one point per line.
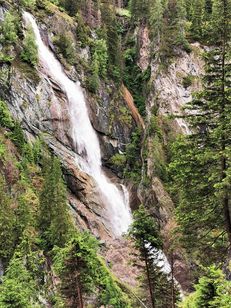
x=79, y=293
x=149, y=278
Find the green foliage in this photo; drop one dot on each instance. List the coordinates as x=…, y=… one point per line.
x=93, y=81
x=17, y=288
x=54, y=220
x=140, y=10
x=100, y=56
x=157, y=149
x=156, y=19
x=2, y=150
x=65, y=47
x=187, y=81
x=5, y=117
x=146, y=236
x=118, y=160
x=5, y=58
x=113, y=42
x=83, y=272
x=98, y=65
x=205, y=22
x=17, y=136
x=30, y=48
x=173, y=32
x=145, y=232
x=197, y=19
x=135, y=79
x=201, y=161
x=8, y=235
x=71, y=6
x=9, y=28
x=28, y=3
x=133, y=168
x=211, y=291
x=167, y=22
x=82, y=31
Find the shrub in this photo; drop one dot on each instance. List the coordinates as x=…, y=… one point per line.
x=118, y=160
x=9, y=28
x=101, y=56
x=64, y=45
x=5, y=117
x=82, y=31
x=30, y=51
x=28, y=3
x=187, y=81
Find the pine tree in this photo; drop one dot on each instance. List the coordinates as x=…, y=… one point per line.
x=156, y=20
x=197, y=19
x=54, y=218
x=201, y=164
x=83, y=272
x=140, y=10
x=72, y=6
x=8, y=236
x=113, y=41
x=17, y=288
x=9, y=28
x=145, y=234
x=212, y=290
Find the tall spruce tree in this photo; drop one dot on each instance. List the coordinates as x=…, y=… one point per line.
x=144, y=232
x=156, y=19
x=8, y=237
x=113, y=40
x=17, y=288
x=54, y=218
x=201, y=161
x=197, y=19
x=83, y=272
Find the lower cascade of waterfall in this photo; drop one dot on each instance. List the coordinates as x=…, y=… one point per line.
x=84, y=136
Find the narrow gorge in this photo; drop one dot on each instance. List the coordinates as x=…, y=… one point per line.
x=115, y=153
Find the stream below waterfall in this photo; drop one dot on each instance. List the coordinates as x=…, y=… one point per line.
x=85, y=139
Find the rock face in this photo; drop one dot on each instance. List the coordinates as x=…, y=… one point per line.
x=171, y=89
x=38, y=103
x=144, y=47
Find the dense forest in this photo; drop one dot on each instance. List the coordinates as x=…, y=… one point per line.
x=101, y=100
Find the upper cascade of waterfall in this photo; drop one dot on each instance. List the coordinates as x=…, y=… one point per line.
x=84, y=136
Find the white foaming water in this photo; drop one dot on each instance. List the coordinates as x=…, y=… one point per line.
x=84, y=136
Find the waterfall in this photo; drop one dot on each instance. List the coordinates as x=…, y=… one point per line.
x=84, y=136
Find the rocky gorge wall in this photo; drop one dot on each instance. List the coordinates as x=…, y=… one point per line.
x=170, y=88
x=39, y=104
x=41, y=108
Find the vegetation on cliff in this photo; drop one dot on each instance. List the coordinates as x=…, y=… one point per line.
x=38, y=236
